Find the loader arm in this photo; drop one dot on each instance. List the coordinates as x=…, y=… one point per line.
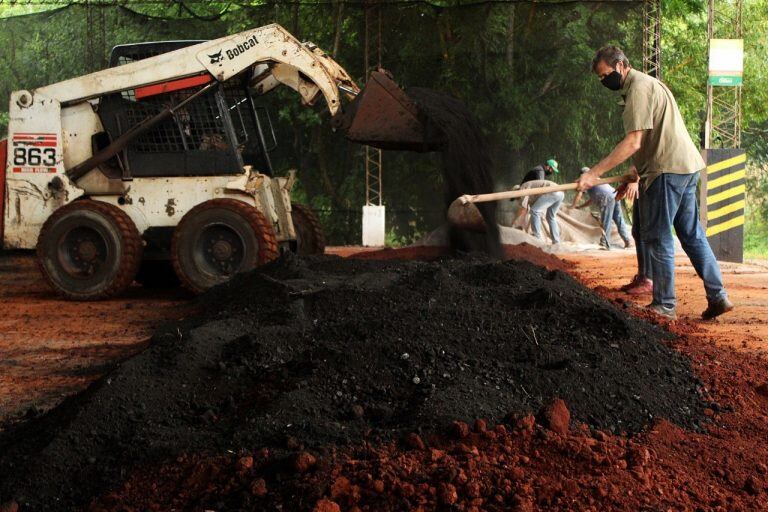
x=271, y=51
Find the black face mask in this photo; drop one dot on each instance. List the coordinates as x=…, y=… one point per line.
x=612, y=80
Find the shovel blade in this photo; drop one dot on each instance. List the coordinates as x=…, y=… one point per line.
x=383, y=116
x=466, y=216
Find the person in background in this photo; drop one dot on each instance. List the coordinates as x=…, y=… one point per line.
x=668, y=163
x=603, y=196
x=540, y=172
x=545, y=205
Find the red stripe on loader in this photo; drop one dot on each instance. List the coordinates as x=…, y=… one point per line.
x=173, y=85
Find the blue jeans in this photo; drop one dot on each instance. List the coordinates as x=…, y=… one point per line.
x=549, y=203
x=610, y=210
x=641, y=248
x=671, y=201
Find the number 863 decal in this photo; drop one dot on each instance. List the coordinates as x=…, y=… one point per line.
x=34, y=152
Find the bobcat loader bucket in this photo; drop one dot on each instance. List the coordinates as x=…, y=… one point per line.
x=383, y=116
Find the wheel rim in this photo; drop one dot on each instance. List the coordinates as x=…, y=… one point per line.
x=219, y=250
x=83, y=251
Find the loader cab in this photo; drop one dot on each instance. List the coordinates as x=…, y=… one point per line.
x=216, y=134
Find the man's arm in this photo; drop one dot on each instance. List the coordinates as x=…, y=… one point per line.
x=520, y=212
x=623, y=150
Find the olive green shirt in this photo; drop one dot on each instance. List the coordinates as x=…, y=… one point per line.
x=666, y=145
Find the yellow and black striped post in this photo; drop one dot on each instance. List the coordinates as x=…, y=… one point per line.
x=723, y=191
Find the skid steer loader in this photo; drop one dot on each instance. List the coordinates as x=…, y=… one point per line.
x=164, y=157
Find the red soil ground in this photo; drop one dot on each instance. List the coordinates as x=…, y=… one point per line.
x=51, y=348
x=523, y=464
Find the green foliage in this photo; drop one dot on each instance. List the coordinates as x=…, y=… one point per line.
x=395, y=239
x=756, y=238
x=756, y=225
x=757, y=186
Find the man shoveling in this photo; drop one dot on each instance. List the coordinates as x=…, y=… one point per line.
x=544, y=205
x=668, y=164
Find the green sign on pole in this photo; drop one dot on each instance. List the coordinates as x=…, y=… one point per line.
x=726, y=62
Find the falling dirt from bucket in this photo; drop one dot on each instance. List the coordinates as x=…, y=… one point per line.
x=467, y=166
x=419, y=119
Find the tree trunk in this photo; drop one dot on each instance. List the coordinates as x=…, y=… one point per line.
x=339, y=23
x=446, y=39
x=12, y=65
x=511, y=41
x=322, y=166
x=295, y=21
x=531, y=15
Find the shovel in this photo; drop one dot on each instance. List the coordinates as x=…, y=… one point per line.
x=464, y=214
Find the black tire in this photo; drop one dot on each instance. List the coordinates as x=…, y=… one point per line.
x=310, y=237
x=217, y=239
x=155, y=274
x=89, y=250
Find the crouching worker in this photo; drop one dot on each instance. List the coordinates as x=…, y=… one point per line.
x=604, y=197
x=544, y=205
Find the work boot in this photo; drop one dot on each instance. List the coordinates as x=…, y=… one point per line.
x=630, y=284
x=628, y=243
x=604, y=245
x=717, y=308
x=640, y=285
x=668, y=313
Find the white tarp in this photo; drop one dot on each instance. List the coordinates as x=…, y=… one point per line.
x=579, y=230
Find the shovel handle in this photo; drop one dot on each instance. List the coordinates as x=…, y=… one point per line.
x=512, y=194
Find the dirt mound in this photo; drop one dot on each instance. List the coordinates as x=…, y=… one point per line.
x=327, y=351
x=518, y=252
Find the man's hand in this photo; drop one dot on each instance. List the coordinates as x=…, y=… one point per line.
x=630, y=190
x=586, y=181
x=633, y=191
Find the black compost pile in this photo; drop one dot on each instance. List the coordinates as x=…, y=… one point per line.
x=467, y=166
x=332, y=351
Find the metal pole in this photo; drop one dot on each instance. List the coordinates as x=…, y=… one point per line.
x=710, y=33
x=652, y=38
x=372, y=156
x=723, y=125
